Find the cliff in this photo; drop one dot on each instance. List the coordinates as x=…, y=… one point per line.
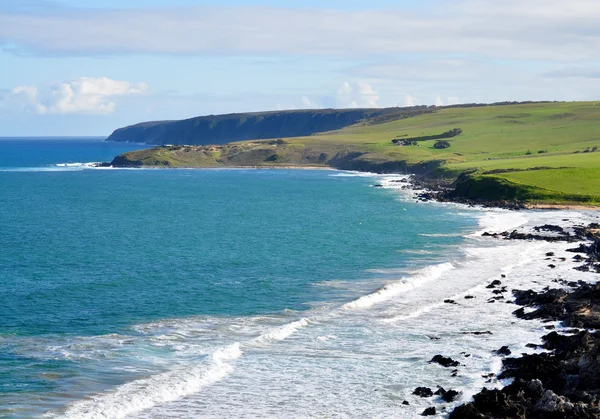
x=222, y=129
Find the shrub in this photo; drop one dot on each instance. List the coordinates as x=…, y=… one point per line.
x=441, y=144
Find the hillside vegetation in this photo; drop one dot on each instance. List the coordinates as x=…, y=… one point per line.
x=534, y=152
x=222, y=129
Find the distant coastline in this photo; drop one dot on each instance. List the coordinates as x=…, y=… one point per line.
x=509, y=154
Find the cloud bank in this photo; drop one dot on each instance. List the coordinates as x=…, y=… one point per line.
x=554, y=30
x=85, y=95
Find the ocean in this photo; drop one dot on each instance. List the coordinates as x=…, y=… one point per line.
x=157, y=293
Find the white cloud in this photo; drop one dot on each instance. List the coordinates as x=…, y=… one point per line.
x=359, y=94
x=409, y=101
x=556, y=30
x=85, y=95
x=308, y=103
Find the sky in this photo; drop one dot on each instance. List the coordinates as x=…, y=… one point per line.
x=88, y=67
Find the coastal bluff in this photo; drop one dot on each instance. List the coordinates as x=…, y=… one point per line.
x=223, y=129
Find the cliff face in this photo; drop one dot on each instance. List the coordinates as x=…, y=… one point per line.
x=222, y=129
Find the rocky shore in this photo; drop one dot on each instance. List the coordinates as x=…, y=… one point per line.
x=563, y=379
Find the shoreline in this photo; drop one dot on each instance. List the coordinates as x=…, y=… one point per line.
x=447, y=394
x=492, y=401
x=569, y=207
x=560, y=380
x=431, y=188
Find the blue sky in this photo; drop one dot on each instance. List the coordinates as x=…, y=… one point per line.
x=87, y=67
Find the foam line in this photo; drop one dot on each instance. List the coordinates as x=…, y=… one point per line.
x=158, y=389
x=391, y=290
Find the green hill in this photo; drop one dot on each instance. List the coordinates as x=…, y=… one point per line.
x=532, y=152
x=222, y=129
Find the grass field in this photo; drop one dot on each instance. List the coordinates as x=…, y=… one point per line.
x=563, y=138
x=539, y=152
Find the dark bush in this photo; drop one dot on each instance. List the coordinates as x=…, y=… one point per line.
x=441, y=144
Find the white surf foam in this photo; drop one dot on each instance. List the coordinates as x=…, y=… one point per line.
x=158, y=389
x=391, y=290
x=282, y=332
x=498, y=221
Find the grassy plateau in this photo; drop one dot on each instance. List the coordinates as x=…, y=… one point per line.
x=546, y=153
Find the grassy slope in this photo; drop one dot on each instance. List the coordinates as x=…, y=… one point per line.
x=494, y=139
x=505, y=138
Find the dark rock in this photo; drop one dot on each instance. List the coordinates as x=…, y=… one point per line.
x=549, y=227
x=503, y=351
x=430, y=411
x=469, y=297
x=405, y=403
x=467, y=411
x=423, y=392
x=444, y=361
x=450, y=396
x=449, y=301
x=550, y=254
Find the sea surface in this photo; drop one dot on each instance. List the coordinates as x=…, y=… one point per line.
x=240, y=293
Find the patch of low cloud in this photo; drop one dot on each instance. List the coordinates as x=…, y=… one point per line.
x=409, y=101
x=359, y=94
x=84, y=95
x=308, y=103
x=511, y=29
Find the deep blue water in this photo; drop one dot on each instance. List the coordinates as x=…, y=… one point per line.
x=87, y=253
x=44, y=152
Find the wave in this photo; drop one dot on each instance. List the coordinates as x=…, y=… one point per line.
x=353, y=174
x=158, y=389
x=441, y=235
x=497, y=220
x=58, y=167
x=174, y=384
x=391, y=290
x=282, y=332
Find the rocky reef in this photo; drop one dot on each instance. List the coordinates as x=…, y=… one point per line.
x=564, y=381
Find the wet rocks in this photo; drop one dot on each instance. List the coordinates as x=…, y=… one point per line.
x=423, y=392
x=592, y=251
x=549, y=227
x=430, y=411
x=487, y=332
x=447, y=395
x=563, y=383
x=503, y=351
x=444, y=361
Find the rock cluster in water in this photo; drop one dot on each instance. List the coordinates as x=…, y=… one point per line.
x=563, y=383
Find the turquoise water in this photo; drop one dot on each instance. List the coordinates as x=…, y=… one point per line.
x=91, y=259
